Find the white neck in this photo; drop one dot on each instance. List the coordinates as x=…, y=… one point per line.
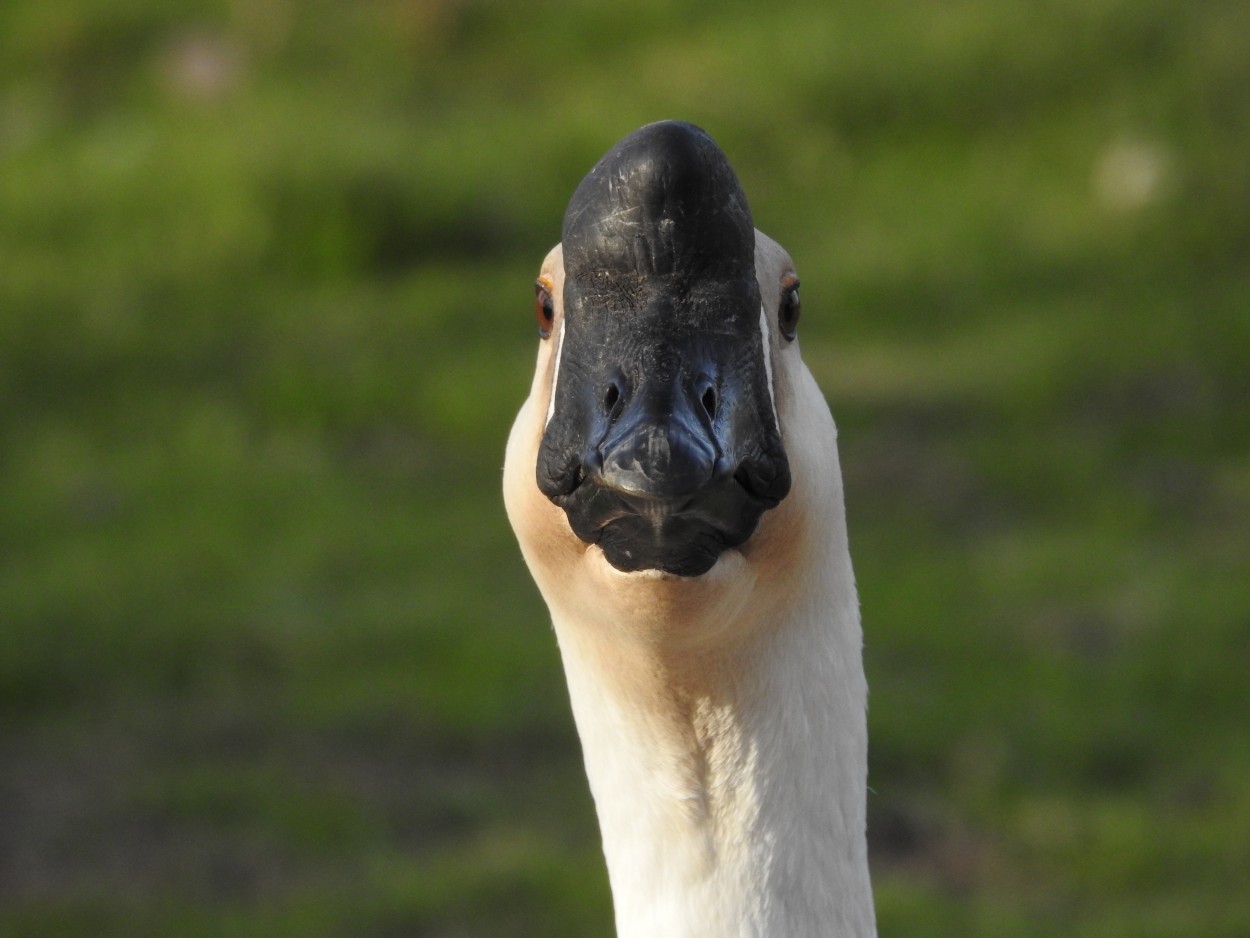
x=722, y=717
x=729, y=774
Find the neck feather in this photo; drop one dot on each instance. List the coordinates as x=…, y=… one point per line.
x=730, y=779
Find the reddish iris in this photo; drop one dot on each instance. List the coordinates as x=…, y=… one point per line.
x=544, y=307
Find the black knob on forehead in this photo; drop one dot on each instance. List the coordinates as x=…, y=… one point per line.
x=663, y=201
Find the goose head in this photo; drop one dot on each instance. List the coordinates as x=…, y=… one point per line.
x=655, y=432
x=673, y=482
x=661, y=441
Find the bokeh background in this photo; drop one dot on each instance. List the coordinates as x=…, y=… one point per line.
x=270, y=663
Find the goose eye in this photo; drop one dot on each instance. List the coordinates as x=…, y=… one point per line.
x=788, y=312
x=544, y=307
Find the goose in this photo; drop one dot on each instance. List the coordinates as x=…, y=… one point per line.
x=674, y=485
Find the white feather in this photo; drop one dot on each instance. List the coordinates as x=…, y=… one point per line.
x=555, y=374
x=722, y=717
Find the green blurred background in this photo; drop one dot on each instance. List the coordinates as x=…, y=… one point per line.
x=270, y=663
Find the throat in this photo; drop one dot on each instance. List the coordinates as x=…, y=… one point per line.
x=730, y=790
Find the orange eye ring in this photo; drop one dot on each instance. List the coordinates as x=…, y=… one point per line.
x=544, y=306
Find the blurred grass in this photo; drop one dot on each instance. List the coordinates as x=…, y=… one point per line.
x=269, y=661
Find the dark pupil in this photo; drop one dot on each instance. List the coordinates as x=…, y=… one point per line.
x=544, y=309
x=792, y=306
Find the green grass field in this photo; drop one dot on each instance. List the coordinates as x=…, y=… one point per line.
x=270, y=663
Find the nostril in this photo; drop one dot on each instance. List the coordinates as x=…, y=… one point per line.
x=710, y=401
x=611, y=398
